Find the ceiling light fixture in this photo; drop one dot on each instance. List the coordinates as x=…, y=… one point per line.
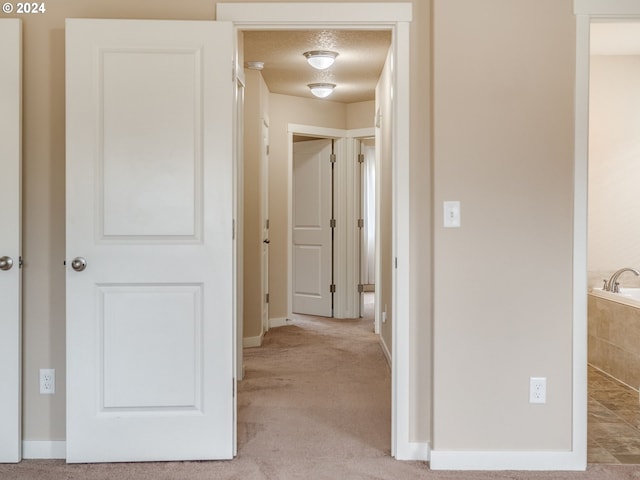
x=321, y=90
x=255, y=65
x=320, y=59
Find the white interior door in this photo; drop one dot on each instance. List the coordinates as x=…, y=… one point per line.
x=10, y=242
x=149, y=209
x=312, y=240
x=264, y=173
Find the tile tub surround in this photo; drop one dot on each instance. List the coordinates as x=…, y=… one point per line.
x=614, y=339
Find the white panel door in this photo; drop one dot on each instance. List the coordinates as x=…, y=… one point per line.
x=149, y=212
x=10, y=242
x=311, y=228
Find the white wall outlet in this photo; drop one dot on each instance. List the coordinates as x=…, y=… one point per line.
x=538, y=390
x=452, y=214
x=47, y=381
x=384, y=315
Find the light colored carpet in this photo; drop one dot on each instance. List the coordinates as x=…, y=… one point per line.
x=315, y=404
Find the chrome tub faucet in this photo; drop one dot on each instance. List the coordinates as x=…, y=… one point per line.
x=612, y=285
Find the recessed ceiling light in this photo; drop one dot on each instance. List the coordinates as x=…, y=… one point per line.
x=320, y=59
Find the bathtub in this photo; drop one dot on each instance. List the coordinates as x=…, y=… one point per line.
x=626, y=296
x=614, y=334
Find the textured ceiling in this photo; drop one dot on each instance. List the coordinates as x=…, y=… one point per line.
x=355, y=72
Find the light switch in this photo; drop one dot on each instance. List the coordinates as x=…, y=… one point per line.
x=452, y=214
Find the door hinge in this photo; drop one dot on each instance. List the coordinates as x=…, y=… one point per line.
x=360, y=288
x=332, y=288
x=361, y=158
x=266, y=222
x=266, y=298
x=332, y=223
x=360, y=223
x=267, y=149
x=233, y=229
x=396, y=262
x=332, y=157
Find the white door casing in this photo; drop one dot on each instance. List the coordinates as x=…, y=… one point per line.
x=586, y=11
x=312, y=239
x=10, y=240
x=150, y=341
x=264, y=220
x=396, y=17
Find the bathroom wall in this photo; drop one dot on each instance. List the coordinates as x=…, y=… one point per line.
x=614, y=167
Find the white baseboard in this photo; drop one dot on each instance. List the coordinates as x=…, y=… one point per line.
x=37, y=449
x=279, y=322
x=385, y=350
x=414, y=451
x=251, y=342
x=460, y=460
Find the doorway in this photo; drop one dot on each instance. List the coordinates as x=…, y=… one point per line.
x=613, y=369
x=587, y=11
x=312, y=226
x=395, y=17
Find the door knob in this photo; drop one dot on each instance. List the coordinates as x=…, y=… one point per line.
x=78, y=264
x=6, y=263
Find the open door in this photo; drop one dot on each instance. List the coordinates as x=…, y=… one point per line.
x=10, y=240
x=150, y=328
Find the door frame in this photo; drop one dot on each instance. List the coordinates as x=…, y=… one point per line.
x=264, y=222
x=586, y=11
x=368, y=16
x=346, y=275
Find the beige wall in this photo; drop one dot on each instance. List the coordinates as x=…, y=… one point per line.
x=503, y=146
x=255, y=112
x=43, y=187
x=614, y=170
x=384, y=185
x=360, y=115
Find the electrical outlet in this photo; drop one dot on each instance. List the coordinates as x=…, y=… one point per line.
x=47, y=381
x=538, y=390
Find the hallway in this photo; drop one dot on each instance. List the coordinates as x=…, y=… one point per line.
x=318, y=390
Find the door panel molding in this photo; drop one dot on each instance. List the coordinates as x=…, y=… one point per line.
x=150, y=321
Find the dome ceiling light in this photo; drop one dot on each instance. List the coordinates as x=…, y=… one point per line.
x=321, y=90
x=320, y=59
x=255, y=65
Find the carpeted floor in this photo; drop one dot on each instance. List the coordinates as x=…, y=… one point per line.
x=314, y=404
